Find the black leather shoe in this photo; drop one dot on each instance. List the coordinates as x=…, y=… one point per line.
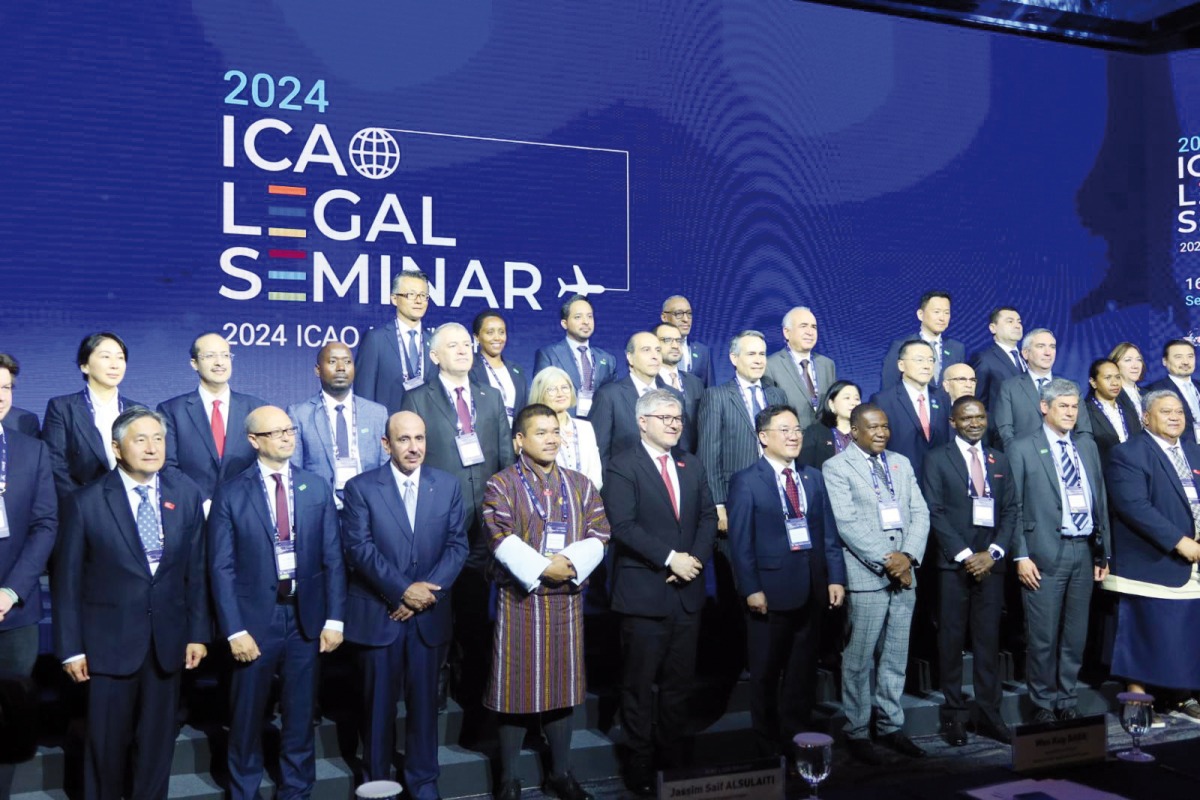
x=639, y=777
x=509, y=790
x=862, y=750
x=1067, y=713
x=994, y=730
x=896, y=740
x=565, y=787
x=1044, y=715
x=954, y=732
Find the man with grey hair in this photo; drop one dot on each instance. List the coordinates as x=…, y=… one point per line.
x=395, y=358
x=467, y=435
x=663, y=525
x=1018, y=406
x=697, y=357
x=1061, y=546
x=802, y=374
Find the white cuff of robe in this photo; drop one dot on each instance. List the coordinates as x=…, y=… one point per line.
x=585, y=556
x=525, y=563
x=963, y=555
x=335, y=625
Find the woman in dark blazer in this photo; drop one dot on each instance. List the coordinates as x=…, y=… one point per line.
x=1110, y=410
x=78, y=426
x=830, y=434
x=490, y=368
x=1129, y=360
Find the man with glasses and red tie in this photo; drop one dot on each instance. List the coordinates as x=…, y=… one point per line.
x=690, y=387
x=663, y=525
x=394, y=359
x=279, y=589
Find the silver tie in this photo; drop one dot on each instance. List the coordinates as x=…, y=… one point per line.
x=410, y=504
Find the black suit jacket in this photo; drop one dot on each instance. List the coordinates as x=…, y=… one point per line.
x=645, y=531
x=190, y=444
x=479, y=375
x=614, y=416
x=907, y=437
x=693, y=391
x=818, y=446
x=1103, y=432
x=26, y=422
x=32, y=510
x=77, y=456
x=992, y=366
x=945, y=488
x=953, y=352
x=379, y=368
x=107, y=605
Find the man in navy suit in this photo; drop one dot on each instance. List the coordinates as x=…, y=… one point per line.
x=17, y=419
x=1000, y=360
x=339, y=432
x=28, y=526
x=973, y=514
x=204, y=427
x=917, y=409
x=697, y=356
x=404, y=532
x=131, y=606
x=663, y=527
x=934, y=314
x=589, y=367
x=689, y=387
x=1179, y=357
x=788, y=561
x=394, y=359
x=613, y=415
x=279, y=588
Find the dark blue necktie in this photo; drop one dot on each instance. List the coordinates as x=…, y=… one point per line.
x=342, y=434
x=1071, y=479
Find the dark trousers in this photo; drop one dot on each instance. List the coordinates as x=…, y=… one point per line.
x=135, y=710
x=18, y=654
x=782, y=644
x=286, y=653
x=1056, y=622
x=964, y=600
x=471, y=655
x=409, y=668
x=662, y=651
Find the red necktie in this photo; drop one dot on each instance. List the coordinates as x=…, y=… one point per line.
x=464, y=413
x=218, y=429
x=793, y=491
x=283, y=526
x=923, y=415
x=666, y=476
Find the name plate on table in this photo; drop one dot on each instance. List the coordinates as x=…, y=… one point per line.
x=762, y=779
x=1057, y=744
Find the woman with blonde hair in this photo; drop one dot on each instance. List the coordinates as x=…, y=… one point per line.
x=578, y=451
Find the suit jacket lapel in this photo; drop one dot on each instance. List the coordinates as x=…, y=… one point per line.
x=959, y=461
x=172, y=522
x=195, y=413
x=324, y=434
x=739, y=400
x=1164, y=461
x=907, y=404
x=118, y=504
x=1047, y=456
x=258, y=499
x=395, y=503
x=442, y=402
x=86, y=423
x=654, y=477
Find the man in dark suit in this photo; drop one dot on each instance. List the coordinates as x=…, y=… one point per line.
x=588, y=366
x=339, y=432
x=28, y=526
x=1179, y=357
x=663, y=526
x=789, y=567
x=613, y=416
x=804, y=376
x=918, y=411
x=13, y=418
x=1018, y=409
x=697, y=357
x=131, y=606
x=972, y=513
x=1000, y=360
x=689, y=387
x=934, y=314
x=404, y=532
x=467, y=435
x=279, y=588
x=394, y=359
x=1061, y=547
x=204, y=427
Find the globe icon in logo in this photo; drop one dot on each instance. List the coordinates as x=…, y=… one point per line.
x=374, y=153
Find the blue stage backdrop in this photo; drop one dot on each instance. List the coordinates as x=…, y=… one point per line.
x=262, y=168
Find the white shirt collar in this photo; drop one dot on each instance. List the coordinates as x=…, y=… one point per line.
x=107, y=404
x=1053, y=436
x=131, y=484
x=400, y=477
x=780, y=466
x=966, y=449
x=208, y=397
x=267, y=472
x=642, y=388
x=654, y=452
x=1161, y=442
x=744, y=383
x=913, y=394
x=331, y=402
x=450, y=385
x=403, y=326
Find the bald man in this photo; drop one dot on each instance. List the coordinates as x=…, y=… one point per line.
x=959, y=381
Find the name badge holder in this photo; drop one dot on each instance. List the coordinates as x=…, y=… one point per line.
x=1189, y=489
x=797, y=531
x=346, y=468
x=413, y=383
x=285, y=559
x=470, y=452
x=983, y=512
x=1077, y=502
x=583, y=403
x=890, y=518
x=556, y=538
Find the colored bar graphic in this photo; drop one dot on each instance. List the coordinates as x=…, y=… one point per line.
x=294, y=233
x=282, y=211
x=283, y=275
x=287, y=253
x=295, y=191
x=299, y=297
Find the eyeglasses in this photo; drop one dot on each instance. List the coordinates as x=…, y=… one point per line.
x=412, y=297
x=564, y=389
x=786, y=431
x=670, y=340
x=666, y=419
x=679, y=314
x=920, y=360
x=963, y=380
x=276, y=434
x=215, y=357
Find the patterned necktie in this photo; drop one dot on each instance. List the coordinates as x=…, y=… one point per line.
x=1020, y=362
x=585, y=362
x=283, y=528
x=414, y=355
x=923, y=415
x=666, y=476
x=881, y=475
x=1039, y=383
x=218, y=429
x=147, y=520
x=808, y=381
x=464, y=412
x=1185, y=478
x=410, y=503
x=342, y=434
x=937, y=361
x=792, y=491
x=977, y=472
x=674, y=376
x=1070, y=474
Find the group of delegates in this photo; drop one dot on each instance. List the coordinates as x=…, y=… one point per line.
x=432, y=498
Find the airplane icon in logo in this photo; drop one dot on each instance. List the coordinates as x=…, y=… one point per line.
x=580, y=286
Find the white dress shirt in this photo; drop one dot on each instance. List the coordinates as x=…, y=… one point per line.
x=104, y=414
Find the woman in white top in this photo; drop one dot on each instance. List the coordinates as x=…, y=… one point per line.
x=578, y=451
x=1132, y=365
x=491, y=368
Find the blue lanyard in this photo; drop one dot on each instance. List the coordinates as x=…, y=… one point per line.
x=87, y=396
x=494, y=379
x=410, y=370
x=577, y=447
x=781, y=485
x=3, y=461
x=887, y=477
x=454, y=404
x=1120, y=413
x=545, y=515
x=271, y=501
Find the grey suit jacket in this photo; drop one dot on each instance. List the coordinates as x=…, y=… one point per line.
x=856, y=509
x=728, y=443
x=314, y=442
x=1039, y=499
x=1018, y=411
x=783, y=372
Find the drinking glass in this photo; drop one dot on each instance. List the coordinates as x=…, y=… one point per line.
x=814, y=758
x=1137, y=713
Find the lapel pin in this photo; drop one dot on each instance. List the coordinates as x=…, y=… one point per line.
x=1043, y=451
x=167, y=504
x=679, y=464
x=303, y=486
